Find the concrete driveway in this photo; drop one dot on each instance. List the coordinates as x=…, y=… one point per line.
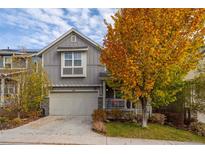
x=65, y=130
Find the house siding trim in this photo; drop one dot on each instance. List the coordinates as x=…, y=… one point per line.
x=72, y=50
x=66, y=34
x=78, y=85
x=74, y=90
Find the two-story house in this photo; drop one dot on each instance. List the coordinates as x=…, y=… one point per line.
x=78, y=78
x=73, y=66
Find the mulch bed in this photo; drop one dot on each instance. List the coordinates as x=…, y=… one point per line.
x=10, y=125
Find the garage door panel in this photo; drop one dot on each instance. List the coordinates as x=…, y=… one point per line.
x=75, y=104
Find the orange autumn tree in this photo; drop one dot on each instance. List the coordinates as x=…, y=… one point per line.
x=150, y=51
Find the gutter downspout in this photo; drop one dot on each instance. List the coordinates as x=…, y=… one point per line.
x=104, y=93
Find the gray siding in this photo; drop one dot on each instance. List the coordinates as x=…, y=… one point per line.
x=52, y=63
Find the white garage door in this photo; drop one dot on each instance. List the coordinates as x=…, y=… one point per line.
x=74, y=104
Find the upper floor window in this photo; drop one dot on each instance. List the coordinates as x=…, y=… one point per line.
x=12, y=62
x=73, y=38
x=7, y=61
x=73, y=64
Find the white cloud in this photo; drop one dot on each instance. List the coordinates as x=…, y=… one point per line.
x=73, y=10
x=52, y=18
x=42, y=26
x=107, y=13
x=55, y=12
x=95, y=21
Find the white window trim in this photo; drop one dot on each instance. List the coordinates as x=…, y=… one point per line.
x=4, y=62
x=83, y=61
x=9, y=87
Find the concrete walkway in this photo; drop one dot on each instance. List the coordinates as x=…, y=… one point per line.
x=67, y=130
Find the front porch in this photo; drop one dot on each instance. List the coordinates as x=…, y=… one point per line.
x=121, y=104
x=112, y=99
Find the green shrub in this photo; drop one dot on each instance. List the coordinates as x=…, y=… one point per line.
x=16, y=121
x=3, y=120
x=157, y=118
x=115, y=114
x=128, y=116
x=8, y=112
x=99, y=115
x=197, y=128
x=11, y=112
x=131, y=116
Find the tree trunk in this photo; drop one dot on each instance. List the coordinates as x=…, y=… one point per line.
x=144, y=111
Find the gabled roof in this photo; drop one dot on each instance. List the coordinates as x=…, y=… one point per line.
x=66, y=34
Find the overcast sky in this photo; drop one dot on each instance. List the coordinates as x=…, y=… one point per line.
x=35, y=28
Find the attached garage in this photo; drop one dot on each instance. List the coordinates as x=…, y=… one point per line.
x=73, y=104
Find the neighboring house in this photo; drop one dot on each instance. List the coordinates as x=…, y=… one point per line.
x=181, y=107
x=191, y=75
x=78, y=88
x=12, y=62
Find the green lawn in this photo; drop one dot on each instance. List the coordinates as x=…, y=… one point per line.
x=154, y=131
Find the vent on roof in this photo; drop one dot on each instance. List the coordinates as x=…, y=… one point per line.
x=73, y=38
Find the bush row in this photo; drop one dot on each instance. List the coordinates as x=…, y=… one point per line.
x=11, y=112
x=6, y=123
x=100, y=116
x=119, y=115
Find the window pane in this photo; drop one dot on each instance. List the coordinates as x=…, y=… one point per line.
x=8, y=59
x=11, y=90
x=68, y=62
x=78, y=70
x=68, y=55
x=77, y=62
x=77, y=55
x=67, y=71
x=6, y=90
